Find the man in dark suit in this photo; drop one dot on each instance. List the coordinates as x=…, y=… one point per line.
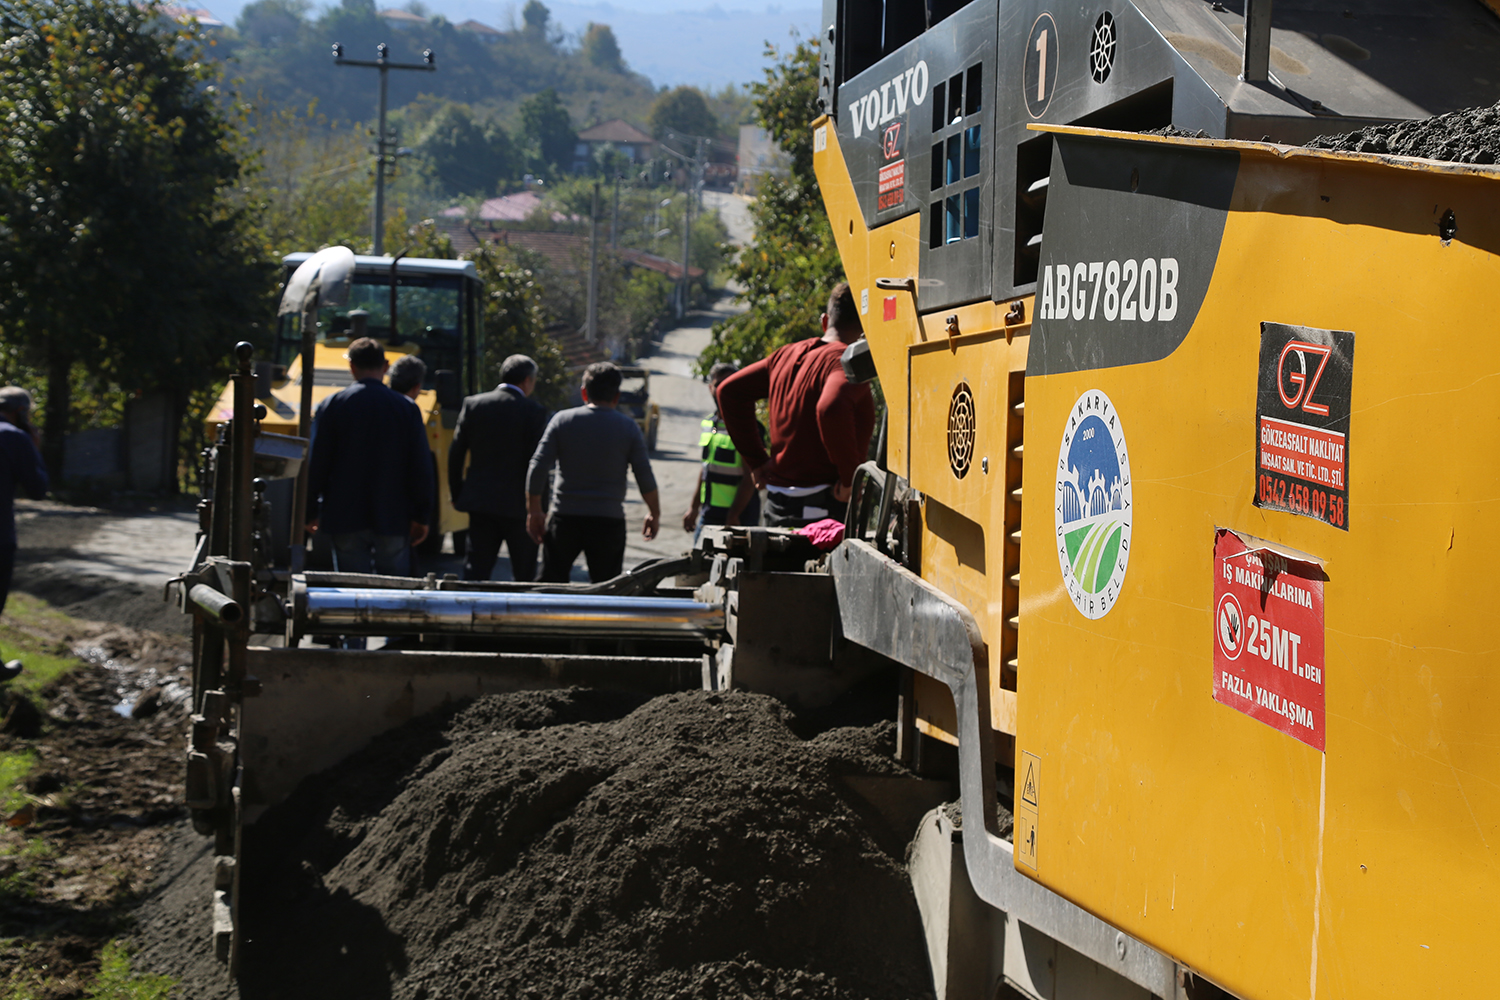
x=497, y=431
x=369, y=480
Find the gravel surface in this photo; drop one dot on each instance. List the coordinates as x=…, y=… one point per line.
x=574, y=844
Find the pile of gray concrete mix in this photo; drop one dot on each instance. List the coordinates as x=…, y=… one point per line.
x=575, y=844
x=1470, y=135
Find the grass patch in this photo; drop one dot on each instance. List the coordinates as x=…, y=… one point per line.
x=118, y=982
x=14, y=767
x=45, y=660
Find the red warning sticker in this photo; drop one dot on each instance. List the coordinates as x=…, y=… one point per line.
x=1268, y=637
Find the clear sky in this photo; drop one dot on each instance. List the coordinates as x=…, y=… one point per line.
x=672, y=42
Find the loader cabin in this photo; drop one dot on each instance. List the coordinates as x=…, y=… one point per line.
x=931, y=101
x=437, y=307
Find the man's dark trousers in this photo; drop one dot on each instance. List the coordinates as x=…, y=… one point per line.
x=600, y=539
x=486, y=532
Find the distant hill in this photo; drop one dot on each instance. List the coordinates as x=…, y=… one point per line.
x=708, y=47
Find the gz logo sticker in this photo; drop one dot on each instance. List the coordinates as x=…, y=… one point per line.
x=1093, y=505
x=892, y=181
x=1302, y=422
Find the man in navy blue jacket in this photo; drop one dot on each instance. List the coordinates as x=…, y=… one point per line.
x=20, y=466
x=370, y=481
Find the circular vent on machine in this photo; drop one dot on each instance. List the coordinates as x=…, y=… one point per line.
x=961, y=430
x=1102, y=48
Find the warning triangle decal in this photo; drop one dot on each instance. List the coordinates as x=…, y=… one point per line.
x=1028, y=788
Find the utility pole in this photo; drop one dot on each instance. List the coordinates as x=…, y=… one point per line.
x=383, y=142
x=614, y=219
x=593, y=307
x=695, y=177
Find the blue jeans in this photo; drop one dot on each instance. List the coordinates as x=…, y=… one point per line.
x=367, y=552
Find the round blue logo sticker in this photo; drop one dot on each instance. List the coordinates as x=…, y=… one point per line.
x=1093, y=505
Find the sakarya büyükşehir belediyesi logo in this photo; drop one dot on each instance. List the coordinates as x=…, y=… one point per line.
x=1093, y=504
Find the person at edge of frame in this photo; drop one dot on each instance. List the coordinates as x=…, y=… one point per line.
x=497, y=433
x=820, y=421
x=20, y=467
x=592, y=445
x=724, y=493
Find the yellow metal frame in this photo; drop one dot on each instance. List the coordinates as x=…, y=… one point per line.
x=970, y=529
x=1276, y=870
x=1368, y=870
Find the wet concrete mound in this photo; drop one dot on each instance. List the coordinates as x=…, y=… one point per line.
x=580, y=845
x=1470, y=135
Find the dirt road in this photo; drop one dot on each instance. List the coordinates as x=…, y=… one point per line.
x=105, y=565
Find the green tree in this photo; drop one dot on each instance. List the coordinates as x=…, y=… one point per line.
x=309, y=182
x=601, y=49
x=793, y=263
x=535, y=16
x=465, y=156
x=515, y=322
x=273, y=22
x=548, y=129
x=683, y=110
x=120, y=248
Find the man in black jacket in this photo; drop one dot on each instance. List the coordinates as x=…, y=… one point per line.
x=369, y=481
x=497, y=431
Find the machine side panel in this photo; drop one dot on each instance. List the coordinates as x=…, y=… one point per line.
x=1228, y=843
x=1132, y=239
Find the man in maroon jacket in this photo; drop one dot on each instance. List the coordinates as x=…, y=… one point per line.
x=820, y=422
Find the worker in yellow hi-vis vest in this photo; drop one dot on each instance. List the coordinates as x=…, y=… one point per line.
x=723, y=494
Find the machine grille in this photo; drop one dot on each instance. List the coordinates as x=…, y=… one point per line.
x=961, y=430
x=1102, y=48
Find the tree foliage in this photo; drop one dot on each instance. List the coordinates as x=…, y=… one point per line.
x=791, y=266
x=120, y=248
x=515, y=323
x=685, y=111
x=467, y=156
x=308, y=181
x=280, y=51
x=601, y=49
x=548, y=130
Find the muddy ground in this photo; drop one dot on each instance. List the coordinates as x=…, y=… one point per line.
x=101, y=799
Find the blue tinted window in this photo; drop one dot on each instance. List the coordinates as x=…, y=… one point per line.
x=953, y=158
x=955, y=223
x=971, y=213
x=937, y=165
x=971, y=151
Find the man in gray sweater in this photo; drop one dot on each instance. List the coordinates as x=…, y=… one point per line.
x=592, y=445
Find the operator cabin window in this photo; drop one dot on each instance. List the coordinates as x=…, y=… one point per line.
x=957, y=149
x=871, y=31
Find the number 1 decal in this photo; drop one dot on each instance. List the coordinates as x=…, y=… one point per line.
x=1039, y=75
